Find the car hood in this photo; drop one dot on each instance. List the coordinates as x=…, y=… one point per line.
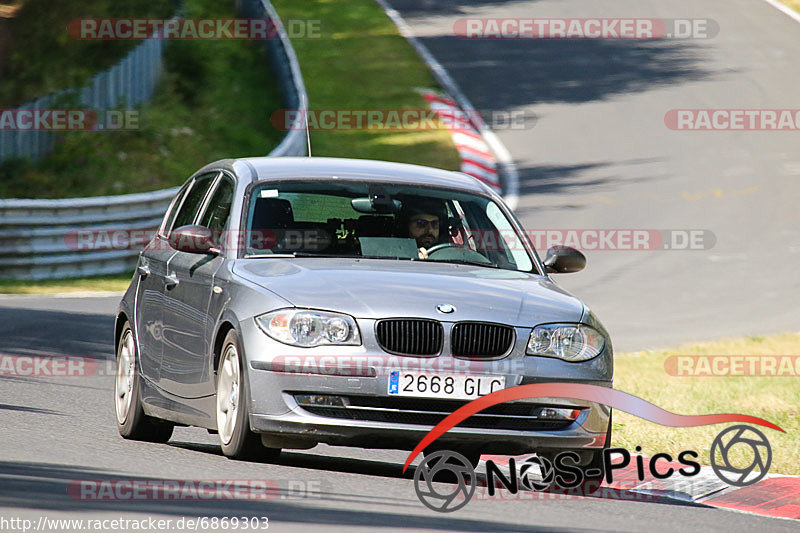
x=369, y=288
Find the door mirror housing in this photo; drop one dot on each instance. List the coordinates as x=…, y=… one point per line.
x=564, y=260
x=193, y=239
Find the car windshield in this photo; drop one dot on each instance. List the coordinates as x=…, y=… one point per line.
x=381, y=221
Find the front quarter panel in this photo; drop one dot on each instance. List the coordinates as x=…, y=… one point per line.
x=238, y=301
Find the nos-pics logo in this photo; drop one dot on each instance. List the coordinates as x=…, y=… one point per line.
x=446, y=481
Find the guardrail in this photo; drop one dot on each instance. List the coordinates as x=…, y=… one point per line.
x=34, y=233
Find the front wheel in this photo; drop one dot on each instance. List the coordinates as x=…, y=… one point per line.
x=233, y=400
x=132, y=423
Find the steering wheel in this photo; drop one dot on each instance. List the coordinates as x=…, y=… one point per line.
x=442, y=246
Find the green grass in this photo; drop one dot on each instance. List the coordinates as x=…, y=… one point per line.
x=101, y=283
x=43, y=58
x=794, y=4
x=361, y=62
x=214, y=102
x=776, y=399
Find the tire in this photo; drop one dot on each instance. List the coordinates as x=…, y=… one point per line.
x=233, y=405
x=132, y=423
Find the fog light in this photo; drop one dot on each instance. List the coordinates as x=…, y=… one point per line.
x=324, y=400
x=556, y=413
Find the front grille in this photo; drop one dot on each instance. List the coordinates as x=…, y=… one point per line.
x=407, y=336
x=429, y=412
x=480, y=339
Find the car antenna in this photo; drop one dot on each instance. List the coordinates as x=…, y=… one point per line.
x=305, y=117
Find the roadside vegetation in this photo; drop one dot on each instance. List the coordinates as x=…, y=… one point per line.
x=776, y=399
x=59, y=286
x=217, y=97
x=360, y=61
x=214, y=101
x=794, y=4
x=41, y=58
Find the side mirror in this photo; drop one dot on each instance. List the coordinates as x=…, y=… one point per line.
x=563, y=260
x=193, y=239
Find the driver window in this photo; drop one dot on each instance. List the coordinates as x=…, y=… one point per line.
x=193, y=200
x=516, y=254
x=216, y=215
x=173, y=209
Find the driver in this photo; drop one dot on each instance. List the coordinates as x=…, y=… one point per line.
x=423, y=221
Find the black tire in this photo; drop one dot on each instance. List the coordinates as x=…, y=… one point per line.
x=243, y=443
x=133, y=423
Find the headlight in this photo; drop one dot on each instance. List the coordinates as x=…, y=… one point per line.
x=307, y=328
x=570, y=342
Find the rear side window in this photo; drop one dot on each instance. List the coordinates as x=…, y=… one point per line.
x=193, y=200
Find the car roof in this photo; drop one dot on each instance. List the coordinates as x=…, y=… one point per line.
x=263, y=168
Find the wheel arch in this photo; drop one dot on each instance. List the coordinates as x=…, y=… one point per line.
x=119, y=323
x=222, y=331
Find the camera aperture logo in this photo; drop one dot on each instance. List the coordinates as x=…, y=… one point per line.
x=569, y=470
x=741, y=476
x=441, y=497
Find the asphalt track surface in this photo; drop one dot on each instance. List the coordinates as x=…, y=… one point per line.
x=598, y=156
x=56, y=431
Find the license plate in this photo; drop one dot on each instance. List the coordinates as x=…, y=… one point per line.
x=452, y=386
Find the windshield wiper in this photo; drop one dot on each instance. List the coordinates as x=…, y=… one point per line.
x=289, y=254
x=338, y=256
x=467, y=262
x=391, y=257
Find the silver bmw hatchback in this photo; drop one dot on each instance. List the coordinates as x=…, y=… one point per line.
x=286, y=302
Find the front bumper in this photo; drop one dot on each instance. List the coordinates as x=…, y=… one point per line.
x=275, y=413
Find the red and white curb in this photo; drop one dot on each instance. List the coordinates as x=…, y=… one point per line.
x=776, y=495
x=477, y=159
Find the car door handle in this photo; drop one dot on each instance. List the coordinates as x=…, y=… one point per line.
x=171, y=281
x=144, y=270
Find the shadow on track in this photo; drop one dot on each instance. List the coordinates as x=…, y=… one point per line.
x=45, y=333
x=24, y=409
x=44, y=487
x=327, y=463
x=313, y=461
x=422, y=8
